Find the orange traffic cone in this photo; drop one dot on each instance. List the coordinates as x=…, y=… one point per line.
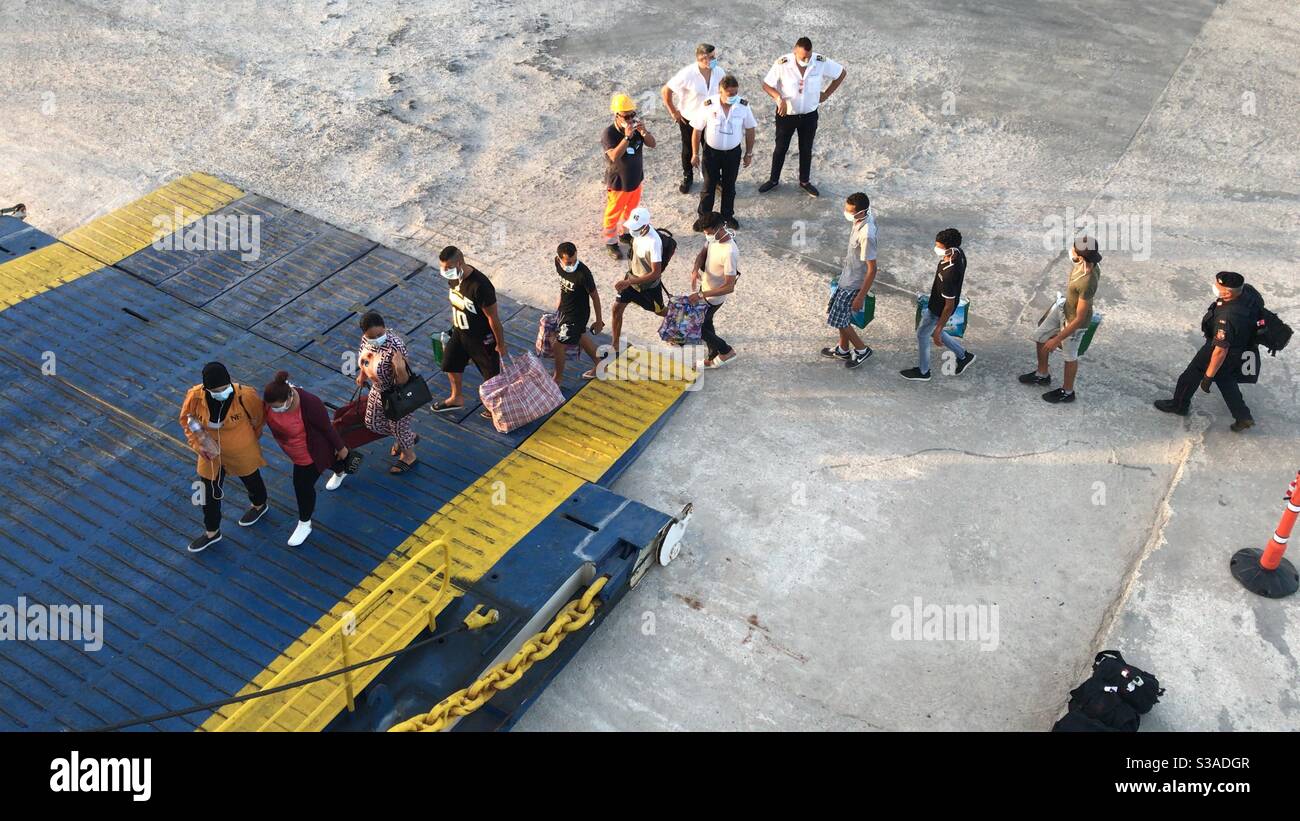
x=1265, y=571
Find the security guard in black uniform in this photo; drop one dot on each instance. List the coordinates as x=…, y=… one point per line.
x=1230, y=354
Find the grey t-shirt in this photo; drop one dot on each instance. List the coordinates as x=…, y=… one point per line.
x=862, y=248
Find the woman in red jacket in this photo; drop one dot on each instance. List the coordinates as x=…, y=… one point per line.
x=301, y=425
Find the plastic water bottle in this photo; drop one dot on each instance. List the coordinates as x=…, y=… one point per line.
x=439, y=341
x=206, y=443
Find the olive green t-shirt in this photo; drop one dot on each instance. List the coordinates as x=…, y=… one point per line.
x=1083, y=284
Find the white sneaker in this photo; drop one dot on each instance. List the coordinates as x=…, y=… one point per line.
x=335, y=481
x=300, y=534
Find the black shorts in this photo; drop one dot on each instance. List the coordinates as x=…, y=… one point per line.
x=652, y=299
x=569, y=328
x=463, y=349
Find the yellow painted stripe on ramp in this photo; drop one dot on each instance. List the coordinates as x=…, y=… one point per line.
x=598, y=425
x=114, y=236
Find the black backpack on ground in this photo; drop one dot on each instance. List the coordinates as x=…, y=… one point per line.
x=1271, y=333
x=1113, y=699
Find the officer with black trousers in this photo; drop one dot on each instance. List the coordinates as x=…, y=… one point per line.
x=1229, y=355
x=723, y=120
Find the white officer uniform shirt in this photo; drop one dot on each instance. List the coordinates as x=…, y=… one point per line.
x=803, y=91
x=723, y=130
x=690, y=89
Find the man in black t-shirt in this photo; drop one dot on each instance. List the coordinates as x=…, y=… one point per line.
x=476, y=332
x=945, y=295
x=578, y=295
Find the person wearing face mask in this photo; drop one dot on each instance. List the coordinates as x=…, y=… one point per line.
x=302, y=427
x=1230, y=328
x=683, y=96
x=854, y=282
x=578, y=295
x=643, y=283
x=223, y=423
x=1063, y=327
x=476, y=332
x=624, y=143
x=718, y=265
x=945, y=295
x=383, y=362
x=797, y=83
x=720, y=123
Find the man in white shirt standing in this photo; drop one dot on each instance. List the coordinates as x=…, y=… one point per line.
x=717, y=265
x=798, y=82
x=715, y=146
x=685, y=93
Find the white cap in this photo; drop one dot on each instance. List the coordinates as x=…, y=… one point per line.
x=638, y=219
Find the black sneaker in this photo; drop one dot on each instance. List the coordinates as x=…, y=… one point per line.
x=251, y=515
x=834, y=352
x=685, y=187
x=1170, y=406
x=1242, y=425
x=856, y=358
x=614, y=251
x=810, y=189
x=767, y=186
x=203, y=542
x=731, y=222
x=915, y=375
x=965, y=362
x=1032, y=378
x=1058, y=397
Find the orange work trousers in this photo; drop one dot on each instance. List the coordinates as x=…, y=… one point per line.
x=618, y=204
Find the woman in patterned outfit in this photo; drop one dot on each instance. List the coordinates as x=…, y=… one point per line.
x=383, y=361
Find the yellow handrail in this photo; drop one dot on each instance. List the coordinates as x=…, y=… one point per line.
x=335, y=646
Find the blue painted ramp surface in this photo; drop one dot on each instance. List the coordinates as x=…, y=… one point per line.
x=99, y=502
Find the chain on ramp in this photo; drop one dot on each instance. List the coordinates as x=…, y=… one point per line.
x=574, y=616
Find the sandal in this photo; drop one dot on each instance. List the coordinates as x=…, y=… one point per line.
x=402, y=467
x=442, y=406
x=393, y=451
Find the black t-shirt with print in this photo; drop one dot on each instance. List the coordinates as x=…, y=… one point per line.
x=574, y=288
x=469, y=299
x=948, y=279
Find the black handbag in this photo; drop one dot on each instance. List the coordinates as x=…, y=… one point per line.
x=402, y=400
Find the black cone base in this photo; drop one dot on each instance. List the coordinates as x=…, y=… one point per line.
x=1273, y=584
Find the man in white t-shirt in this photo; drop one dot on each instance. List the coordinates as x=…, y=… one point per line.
x=799, y=82
x=712, y=278
x=685, y=93
x=643, y=283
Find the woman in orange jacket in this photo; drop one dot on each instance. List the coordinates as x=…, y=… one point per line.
x=223, y=423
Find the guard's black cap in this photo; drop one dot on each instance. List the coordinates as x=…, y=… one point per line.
x=1230, y=279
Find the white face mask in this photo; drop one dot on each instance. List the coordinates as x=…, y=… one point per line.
x=851, y=216
x=940, y=252
x=803, y=63
x=450, y=273
x=568, y=269
x=283, y=409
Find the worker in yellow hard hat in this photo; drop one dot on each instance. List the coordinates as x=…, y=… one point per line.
x=624, y=142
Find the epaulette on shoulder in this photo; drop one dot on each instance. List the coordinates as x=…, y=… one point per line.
x=709, y=101
x=743, y=101
x=821, y=58
x=783, y=60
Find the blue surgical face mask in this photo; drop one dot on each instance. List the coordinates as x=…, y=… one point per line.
x=223, y=394
x=568, y=269
x=713, y=63
x=377, y=342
